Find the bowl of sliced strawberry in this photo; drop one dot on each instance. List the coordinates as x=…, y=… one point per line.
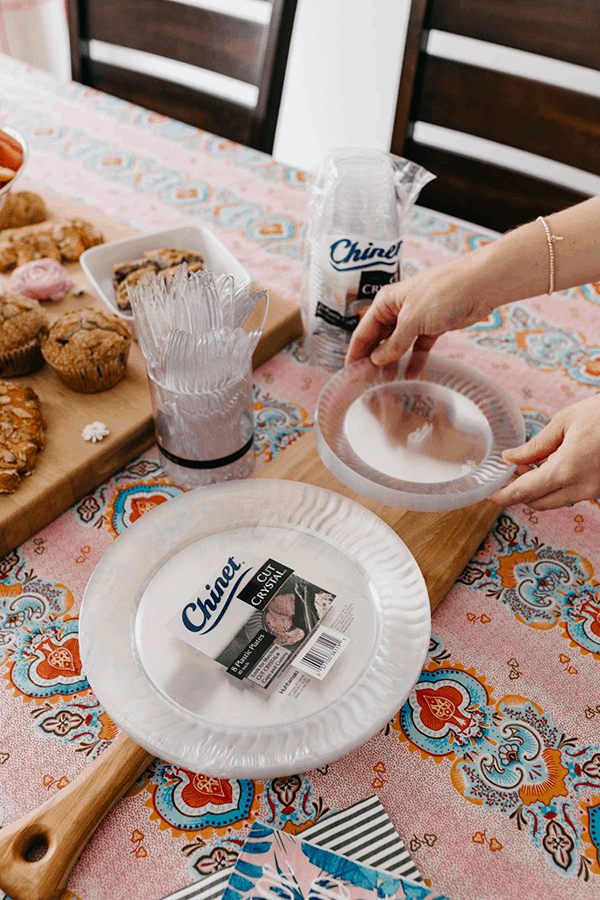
x=13, y=157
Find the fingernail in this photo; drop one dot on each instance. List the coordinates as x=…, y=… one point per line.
x=379, y=357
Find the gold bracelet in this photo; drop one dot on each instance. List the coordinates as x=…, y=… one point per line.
x=551, y=238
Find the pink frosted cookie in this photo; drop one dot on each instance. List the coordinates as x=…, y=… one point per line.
x=41, y=279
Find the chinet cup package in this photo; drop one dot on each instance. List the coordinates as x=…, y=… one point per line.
x=360, y=202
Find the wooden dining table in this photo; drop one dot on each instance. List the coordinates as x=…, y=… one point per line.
x=490, y=770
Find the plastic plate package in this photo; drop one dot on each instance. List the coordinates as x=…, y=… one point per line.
x=185, y=707
x=423, y=433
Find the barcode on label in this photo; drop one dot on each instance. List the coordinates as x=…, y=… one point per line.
x=320, y=653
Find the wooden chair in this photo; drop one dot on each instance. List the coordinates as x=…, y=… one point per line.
x=557, y=123
x=247, y=51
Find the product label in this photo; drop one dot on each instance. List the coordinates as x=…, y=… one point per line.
x=252, y=616
x=333, y=317
x=353, y=269
x=320, y=652
x=250, y=656
x=348, y=254
x=265, y=584
x=371, y=281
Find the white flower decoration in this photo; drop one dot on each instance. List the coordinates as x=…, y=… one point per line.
x=95, y=432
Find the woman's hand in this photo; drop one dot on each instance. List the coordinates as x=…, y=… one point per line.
x=419, y=310
x=561, y=464
x=465, y=290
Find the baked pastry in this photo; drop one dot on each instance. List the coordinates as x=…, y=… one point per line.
x=22, y=432
x=22, y=208
x=23, y=325
x=121, y=295
x=63, y=241
x=88, y=349
x=165, y=260
x=41, y=279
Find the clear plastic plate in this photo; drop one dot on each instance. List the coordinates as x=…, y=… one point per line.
x=180, y=705
x=423, y=433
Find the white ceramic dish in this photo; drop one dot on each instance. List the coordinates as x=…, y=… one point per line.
x=428, y=442
x=98, y=262
x=178, y=704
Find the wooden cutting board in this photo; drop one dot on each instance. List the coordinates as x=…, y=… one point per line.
x=442, y=543
x=69, y=467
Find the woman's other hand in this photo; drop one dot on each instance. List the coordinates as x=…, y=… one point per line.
x=561, y=464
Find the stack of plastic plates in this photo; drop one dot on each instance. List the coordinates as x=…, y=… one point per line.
x=181, y=705
x=424, y=433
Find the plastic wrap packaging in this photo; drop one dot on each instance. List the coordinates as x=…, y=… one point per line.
x=360, y=202
x=254, y=628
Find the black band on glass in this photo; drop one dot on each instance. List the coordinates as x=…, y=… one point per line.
x=208, y=463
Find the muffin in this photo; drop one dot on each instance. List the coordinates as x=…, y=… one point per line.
x=22, y=208
x=23, y=325
x=88, y=349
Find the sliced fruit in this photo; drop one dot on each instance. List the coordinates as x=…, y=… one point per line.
x=11, y=152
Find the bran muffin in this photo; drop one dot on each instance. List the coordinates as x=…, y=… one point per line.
x=22, y=208
x=88, y=349
x=23, y=325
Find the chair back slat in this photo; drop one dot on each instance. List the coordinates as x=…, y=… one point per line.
x=188, y=34
x=216, y=114
x=516, y=110
x=468, y=99
x=560, y=29
x=491, y=196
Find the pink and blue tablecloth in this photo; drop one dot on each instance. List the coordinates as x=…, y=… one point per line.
x=491, y=769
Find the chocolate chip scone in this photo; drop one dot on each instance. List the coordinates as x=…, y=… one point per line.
x=22, y=431
x=167, y=257
x=63, y=241
x=88, y=349
x=139, y=273
x=165, y=260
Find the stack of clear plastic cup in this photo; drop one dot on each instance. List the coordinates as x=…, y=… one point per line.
x=194, y=331
x=360, y=202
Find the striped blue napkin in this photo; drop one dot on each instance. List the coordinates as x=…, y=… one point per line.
x=364, y=833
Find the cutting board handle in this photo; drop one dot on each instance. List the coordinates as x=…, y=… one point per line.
x=38, y=851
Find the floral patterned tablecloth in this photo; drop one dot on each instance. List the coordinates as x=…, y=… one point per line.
x=491, y=769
